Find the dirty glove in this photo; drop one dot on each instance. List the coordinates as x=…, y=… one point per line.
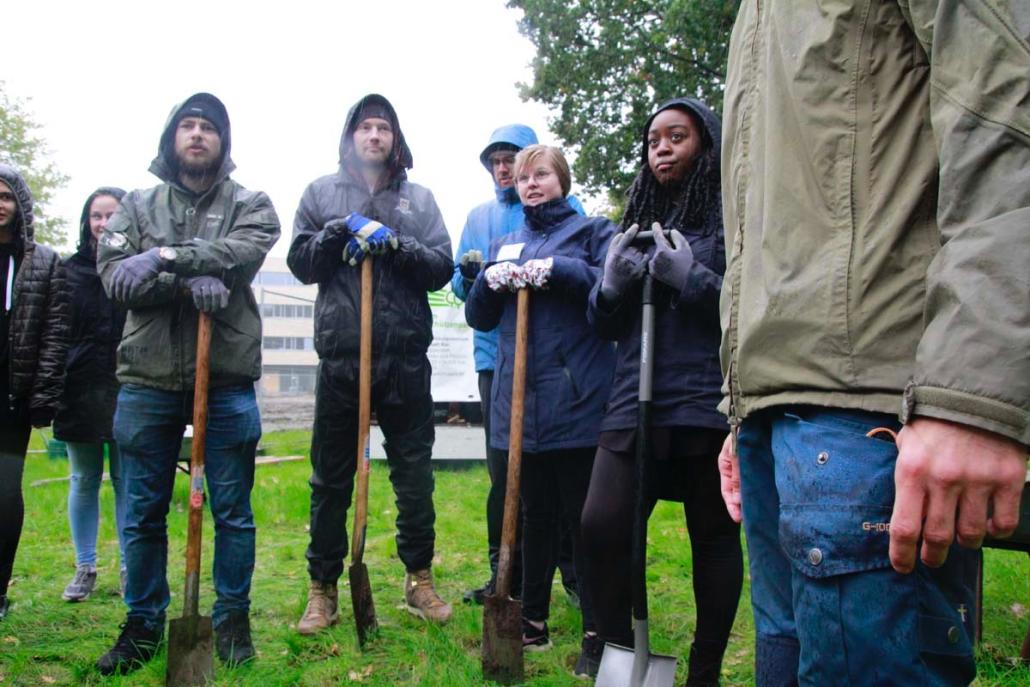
x=623, y=265
x=504, y=276
x=377, y=238
x=132, y=272
x=470, y=264
x=671, y=263
x=209, y=293
x=537, y=272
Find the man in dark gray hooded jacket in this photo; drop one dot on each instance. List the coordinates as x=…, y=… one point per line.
x=192, y=243
x=368, y=205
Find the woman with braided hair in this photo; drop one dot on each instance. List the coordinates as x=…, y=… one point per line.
x=678, y=189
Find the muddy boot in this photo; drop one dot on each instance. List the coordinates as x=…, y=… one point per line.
x=422, y=599
x=322, y=610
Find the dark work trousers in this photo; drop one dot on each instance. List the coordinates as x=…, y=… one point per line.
x=13, y=442
x=404, y=409
x=553, y=487
x=684, y=470
x=497, y=467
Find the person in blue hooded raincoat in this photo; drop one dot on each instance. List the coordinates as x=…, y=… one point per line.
x=678, y=187
x=486, y=223
x=558, y=254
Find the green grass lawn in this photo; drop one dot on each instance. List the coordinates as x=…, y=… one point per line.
x=46, y=641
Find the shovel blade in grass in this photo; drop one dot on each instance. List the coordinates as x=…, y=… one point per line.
x=361, y=600
x=502, y=640
x=190, y=650
x=638, y=667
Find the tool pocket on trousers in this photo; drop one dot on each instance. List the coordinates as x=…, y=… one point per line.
x=836, y=488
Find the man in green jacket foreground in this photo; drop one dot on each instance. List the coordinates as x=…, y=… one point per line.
x=192, y=243
x=876, y=185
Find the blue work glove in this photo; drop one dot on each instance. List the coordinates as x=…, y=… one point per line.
x=209, y=293
x=377, y=237
x=470, y=264
x=623, y=265
x=671, y=263
x=132, y=272
x=354, y=251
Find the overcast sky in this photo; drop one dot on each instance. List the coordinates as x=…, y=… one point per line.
x=103, y=75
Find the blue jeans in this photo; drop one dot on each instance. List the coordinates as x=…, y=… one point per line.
x=148, y=426
x=87, y=466
x=829, y=609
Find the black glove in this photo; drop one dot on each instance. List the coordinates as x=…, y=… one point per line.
x=41, y=417
x=623, y=265
x=336, y=229
x=132, y=272
x=209, y=293
x=470, y=264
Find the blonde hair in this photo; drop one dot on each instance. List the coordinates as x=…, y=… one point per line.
x=531, y=154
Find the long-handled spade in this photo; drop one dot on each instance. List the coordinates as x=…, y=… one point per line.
x=190, y=639
x=637, y=667
x=360, y=589
x=502, y=615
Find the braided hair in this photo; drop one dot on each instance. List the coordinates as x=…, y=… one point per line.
x=694, y=202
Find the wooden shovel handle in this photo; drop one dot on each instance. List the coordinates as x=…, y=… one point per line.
x=193, y=531
x=364, y=414
x=518, y=405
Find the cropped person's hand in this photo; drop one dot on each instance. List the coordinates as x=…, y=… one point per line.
x=470, y=263
x=729, y=479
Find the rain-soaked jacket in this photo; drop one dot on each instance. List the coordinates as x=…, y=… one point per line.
x=86, y=411
x=488, y=222
x=687, y=378
x=876, y=189
x=224, y=232
x=402, y=323
x=568, y=368
x=37, y=329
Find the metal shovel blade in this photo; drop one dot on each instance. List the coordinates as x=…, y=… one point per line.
x=502, y=640
x=361, y=599
x=190, y=650
x=624, y=667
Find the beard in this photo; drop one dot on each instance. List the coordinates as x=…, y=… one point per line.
x=198, y=169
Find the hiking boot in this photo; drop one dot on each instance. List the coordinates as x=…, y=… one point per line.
x=535, y=638
x=589, y=657
x=232, y=639
x=476, y=596
x=135, y=646
x=322, y=609
x=82, y=584
x=5, y=606
x=422, y=599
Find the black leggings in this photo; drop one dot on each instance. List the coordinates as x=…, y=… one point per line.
x=607, y=525
x=13, y=443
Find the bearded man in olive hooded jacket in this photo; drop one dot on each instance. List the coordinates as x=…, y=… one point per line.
x=192, y=243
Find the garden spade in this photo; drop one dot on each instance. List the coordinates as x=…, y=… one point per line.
x=190, y=639
x=360, y=589
x=638, y=667
x=502, y=615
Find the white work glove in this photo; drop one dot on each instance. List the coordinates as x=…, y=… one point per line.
x=537, y=272
x=504, y=276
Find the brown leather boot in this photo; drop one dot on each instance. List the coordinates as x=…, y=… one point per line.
x=322, y=610
x=422, y=599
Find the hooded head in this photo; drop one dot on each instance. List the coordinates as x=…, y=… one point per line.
x=511, y=137
x=208, y=107
x=87, y=244
x=374, y=105
x=697, y=198
x=21, y=225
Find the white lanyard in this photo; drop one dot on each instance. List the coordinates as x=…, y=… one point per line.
x=10, y=284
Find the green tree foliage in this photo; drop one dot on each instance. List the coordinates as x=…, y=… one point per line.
x=21, y=148
x=603, y=65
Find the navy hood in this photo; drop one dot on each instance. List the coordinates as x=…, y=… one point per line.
x=22, y=224
x=400, y=155
x=165, y=166
x=711, y=126
x=85, y=245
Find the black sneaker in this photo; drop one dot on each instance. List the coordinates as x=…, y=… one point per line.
x=232, y=639
x=5, y=606
x=533, y=638
x=135, y=646
x=476, y=596
x=589, y=657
